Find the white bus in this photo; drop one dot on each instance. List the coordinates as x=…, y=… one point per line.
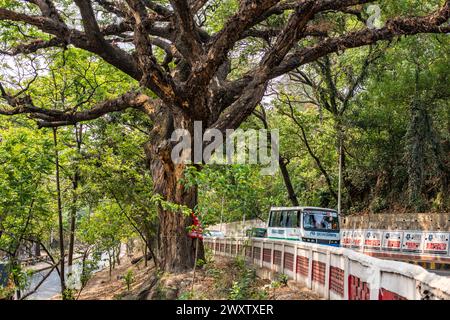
x=307, y=224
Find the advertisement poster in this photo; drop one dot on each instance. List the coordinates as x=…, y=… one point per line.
x=347, y=238
x=372, y=240
x=436, y=242
x=358, y=239
x=392, y=240
x=412, y=242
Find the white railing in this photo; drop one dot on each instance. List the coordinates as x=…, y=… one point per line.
x=337, y=273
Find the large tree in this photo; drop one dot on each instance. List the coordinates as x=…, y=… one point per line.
x=194, y=81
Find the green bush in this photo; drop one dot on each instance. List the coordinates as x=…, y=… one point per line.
x=128, y=279
x=68, y=294
x=188, y=295
x=241, y=289
x=283, y=279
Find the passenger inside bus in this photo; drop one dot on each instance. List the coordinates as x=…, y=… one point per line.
x=320, y=221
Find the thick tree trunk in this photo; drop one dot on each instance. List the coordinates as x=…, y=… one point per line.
x=176, y=249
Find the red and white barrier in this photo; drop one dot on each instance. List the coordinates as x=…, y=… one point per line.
x=399, y=244
x=337, y=273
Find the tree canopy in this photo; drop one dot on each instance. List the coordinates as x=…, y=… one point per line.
x=114, y=79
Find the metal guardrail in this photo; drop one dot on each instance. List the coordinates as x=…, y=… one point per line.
x=337, y=273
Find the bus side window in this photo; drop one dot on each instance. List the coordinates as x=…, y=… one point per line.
x=294, y=218
x=275, y=219
x=287, y=219
x=281, y=219
x=300, y=219
x=271, y=218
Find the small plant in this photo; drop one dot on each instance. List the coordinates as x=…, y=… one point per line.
x=209, y=257
x=188, y=295
x=68, y=294
x=129, y=279
x=275, y=284
x=200, y=263
x=260, y=295
x=241, y=289
x=239, y=262
x=7, y=293
x=236, y=291
x=283, y=279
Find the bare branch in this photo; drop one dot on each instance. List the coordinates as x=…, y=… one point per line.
x=55, y=118
x=397, y=27
x=33, y=46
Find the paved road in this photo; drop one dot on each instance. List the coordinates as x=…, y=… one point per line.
x=445, y=273
x=52, y=285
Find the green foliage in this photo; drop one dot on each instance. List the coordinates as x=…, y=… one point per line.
x=129, y=279
x=240, y=188
x=6, y=293
x=21, y=277
x=242, y=288
x=283, y=279
x=68, y=294
x=396, y=133
x=89, y=266
x=187, y=295
x=24, y=189
x=394, y=156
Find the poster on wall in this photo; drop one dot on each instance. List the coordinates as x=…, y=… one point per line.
x=346, y=238
x=412, y=242
x=392, y=240
x=372, y=240
x=436, y=242
x=358, y=239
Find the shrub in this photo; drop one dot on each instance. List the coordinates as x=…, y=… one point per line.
x=128, y=279
x=283, y=279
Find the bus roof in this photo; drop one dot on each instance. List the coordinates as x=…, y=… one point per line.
x=301, y=208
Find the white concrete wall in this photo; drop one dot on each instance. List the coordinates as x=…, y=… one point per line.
x=338, y=273
x=237, y=228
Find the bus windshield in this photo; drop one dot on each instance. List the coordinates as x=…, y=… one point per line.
x=320, y=220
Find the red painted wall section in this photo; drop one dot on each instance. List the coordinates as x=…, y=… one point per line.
x=357, y=289
x=337, y=280
x=277, y=257
x=257, y=253
x=318, y=271
x=267, y=255
x=289, y=261
x=302, y=266
x=389, y=295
